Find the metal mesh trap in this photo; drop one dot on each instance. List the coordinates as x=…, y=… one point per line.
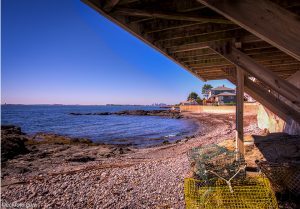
x=219, y=181
x=214, y=162
x=283, y=176
x=254, y=193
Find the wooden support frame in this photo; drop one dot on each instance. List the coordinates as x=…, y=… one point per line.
x=240, y=111
x=275, y=105
x=265, y=19
x=263, y=74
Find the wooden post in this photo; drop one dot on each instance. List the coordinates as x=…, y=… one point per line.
x=239, y=111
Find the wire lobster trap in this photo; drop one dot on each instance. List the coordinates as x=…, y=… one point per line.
x=283, y=176
x=254, y=193
x=214, y=162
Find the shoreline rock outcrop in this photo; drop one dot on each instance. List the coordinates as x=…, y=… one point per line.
x=162, y=113
x=12, y=142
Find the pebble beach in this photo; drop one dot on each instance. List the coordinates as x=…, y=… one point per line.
x=82, y=175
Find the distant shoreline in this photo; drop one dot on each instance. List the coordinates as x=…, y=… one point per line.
x=134, y=105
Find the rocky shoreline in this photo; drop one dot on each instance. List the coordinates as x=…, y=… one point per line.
x=57, y=172
x=162, y=113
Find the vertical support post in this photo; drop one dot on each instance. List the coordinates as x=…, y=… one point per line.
x=240, y=111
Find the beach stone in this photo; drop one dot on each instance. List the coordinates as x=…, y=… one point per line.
x=166, y=142
x=82, y=159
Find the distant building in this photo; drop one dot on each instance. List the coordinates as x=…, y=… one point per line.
x=223, y=98
x=221, y=95
x=219, y=90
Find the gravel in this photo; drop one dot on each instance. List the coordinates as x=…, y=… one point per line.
x=143, y=178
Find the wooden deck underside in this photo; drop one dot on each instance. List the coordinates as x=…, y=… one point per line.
x=208, y=38
x=183, y=30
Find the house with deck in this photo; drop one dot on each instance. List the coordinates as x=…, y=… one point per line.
x=223, y=98
x=221, y=95
x=219, y=90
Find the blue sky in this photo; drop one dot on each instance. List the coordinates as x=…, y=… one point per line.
x=63, y=52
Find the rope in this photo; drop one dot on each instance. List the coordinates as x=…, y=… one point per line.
x=227, y=181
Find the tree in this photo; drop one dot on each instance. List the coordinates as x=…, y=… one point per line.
x=205, y=89
x=192, y=96
x=199, y=101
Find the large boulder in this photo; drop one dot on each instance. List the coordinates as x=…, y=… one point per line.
x=12, y=142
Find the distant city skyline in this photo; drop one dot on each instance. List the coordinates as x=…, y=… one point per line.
x=63, y=52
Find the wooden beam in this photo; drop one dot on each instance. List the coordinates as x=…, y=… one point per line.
x=191, y=9
x=159, y=25
x=267, y=63
x=272, y=23
x=260, y=72
x=274, y=104
x=124, y=2
x=168, y=15
x=214, y=37
x=259, y=58
x=110, y=4
x=229, y=66
x=221, y=37
x=198, y=52
x=188, y=5
x=187, y=47
x=199, y=58
x=139, y=20
x=208, y=52
x=217, y=60
x=279, y=71
x=194, y=30
x=240, y=112
x=261, y=51
x=219, y=63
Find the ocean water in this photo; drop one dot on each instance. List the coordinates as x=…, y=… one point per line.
x=138, y=131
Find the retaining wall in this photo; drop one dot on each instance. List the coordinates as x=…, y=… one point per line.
x=249, y=108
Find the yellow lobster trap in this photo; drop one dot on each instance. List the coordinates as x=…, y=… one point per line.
x=249, y=193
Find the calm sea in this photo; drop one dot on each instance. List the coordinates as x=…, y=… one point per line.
x=135, y=130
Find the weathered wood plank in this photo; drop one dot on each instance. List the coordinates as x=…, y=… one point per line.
x=279, y=71
x=268, y=57
x=250, y=47
x=194, y=30
x=267, y=63
x=110, y=4
x=168, y=15
x=159, y=25
x=218, y=36
x=272, y=23
x=198, y=52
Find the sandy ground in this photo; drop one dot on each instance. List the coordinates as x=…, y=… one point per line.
x=110, y=177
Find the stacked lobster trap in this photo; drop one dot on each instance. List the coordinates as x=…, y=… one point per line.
x=219, y=181
x=285, y=177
